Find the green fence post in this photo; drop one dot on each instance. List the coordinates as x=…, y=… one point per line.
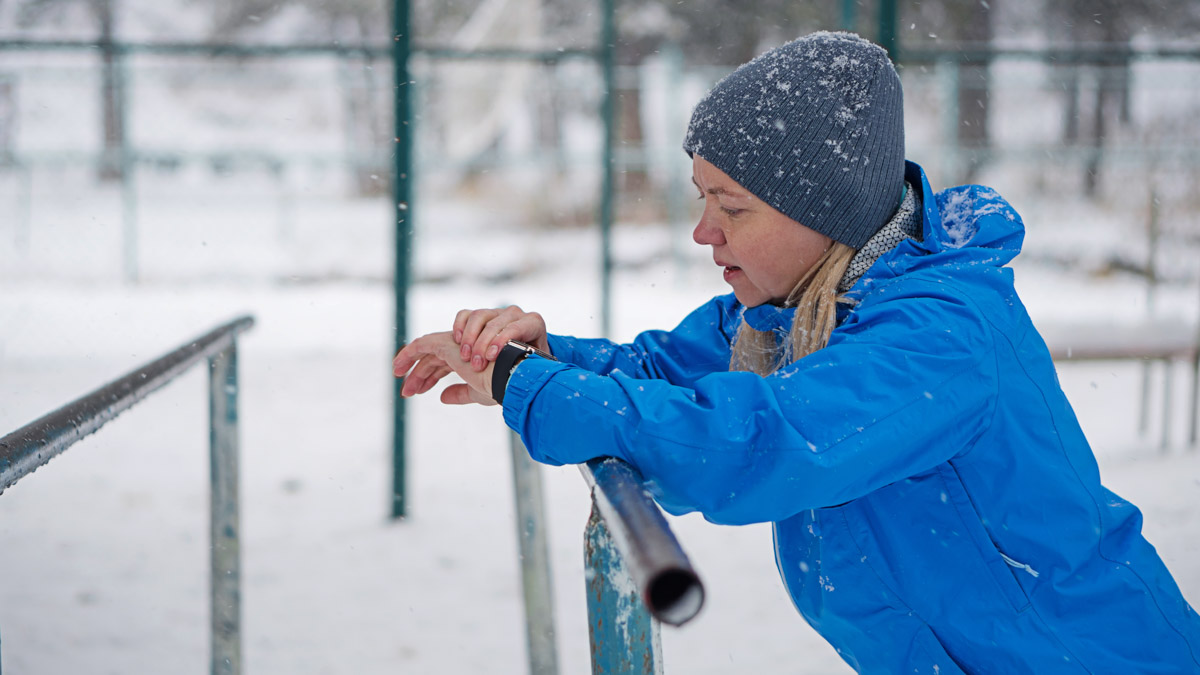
x=887, y=29
x=402, y=200
x=849, y=15
x=608, y=59
x=129, y=214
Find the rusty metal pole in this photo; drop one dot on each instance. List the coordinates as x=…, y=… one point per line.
x=636, y=572
x=624, y=637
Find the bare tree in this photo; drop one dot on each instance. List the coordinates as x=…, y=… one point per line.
x=974, y=89
x=361, y=24
x=969, y=27
x=1108, y=25
x=103, y=14
x=725, y=32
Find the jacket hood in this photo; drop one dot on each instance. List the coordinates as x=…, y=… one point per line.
x=968, y=220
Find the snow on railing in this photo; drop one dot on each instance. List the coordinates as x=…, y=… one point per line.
x=27, y=448
x=636, y=573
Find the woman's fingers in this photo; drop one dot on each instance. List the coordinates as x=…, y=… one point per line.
x=486, y=346
x=472, y=325
x=460, y=322
x=427, y=373
x=430, y=358
x=434, y=378
x=529, y=328
x=432, y=344
x=482, y=333
x=510, y=323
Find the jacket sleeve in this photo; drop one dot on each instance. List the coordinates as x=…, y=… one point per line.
x=698, y=346
x=905, y=384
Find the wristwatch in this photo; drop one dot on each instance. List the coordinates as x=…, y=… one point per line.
x=506, y=362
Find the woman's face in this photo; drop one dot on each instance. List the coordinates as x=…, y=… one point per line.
x=763, y=252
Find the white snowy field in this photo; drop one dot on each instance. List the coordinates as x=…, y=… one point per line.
x=103, y=552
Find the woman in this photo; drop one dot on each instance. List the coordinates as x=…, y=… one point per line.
x=873, y=387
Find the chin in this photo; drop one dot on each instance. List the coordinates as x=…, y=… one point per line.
x=750, y=299
x=750, y=295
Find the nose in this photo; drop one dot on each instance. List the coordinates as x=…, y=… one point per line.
x=707, y=233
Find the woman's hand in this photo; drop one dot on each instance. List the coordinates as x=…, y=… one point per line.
x=482, y=333
x=434, y=356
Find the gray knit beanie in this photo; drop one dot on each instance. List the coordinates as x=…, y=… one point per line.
x=815, y=128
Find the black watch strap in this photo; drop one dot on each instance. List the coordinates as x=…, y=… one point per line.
x=507, y=360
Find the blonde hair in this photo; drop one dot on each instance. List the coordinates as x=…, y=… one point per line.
x=815, y=298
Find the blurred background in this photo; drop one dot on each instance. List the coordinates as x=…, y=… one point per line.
x=192, y=140
x=167, y=164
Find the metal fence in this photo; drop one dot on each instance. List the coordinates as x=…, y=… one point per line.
x=273, y=148
x=27, y=448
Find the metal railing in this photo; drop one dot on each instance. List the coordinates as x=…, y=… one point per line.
x=637, y=575
x=27, y=448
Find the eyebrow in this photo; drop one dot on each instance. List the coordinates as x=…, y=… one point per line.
x=714, y=191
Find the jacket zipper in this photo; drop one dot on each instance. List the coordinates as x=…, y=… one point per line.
x=1018, y=565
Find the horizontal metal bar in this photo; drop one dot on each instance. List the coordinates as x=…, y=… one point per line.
x=1088, y=52
x=201, y=48
x=27, y=448
x=669, y=586
x=1082, y=53
x=507, y=54
x=248, y=51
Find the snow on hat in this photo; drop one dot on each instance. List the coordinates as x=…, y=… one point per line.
x=815, y=128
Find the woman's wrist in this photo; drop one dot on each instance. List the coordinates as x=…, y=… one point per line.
x=510, y=356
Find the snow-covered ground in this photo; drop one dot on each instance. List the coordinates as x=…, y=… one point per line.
x=103, y=553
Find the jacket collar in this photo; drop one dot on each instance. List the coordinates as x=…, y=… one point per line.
x=969, y=224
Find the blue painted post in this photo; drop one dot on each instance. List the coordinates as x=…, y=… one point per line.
x=223, y=463
x=624, y=637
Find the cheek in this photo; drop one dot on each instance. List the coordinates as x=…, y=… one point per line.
x=784, y=260
x=767, y=264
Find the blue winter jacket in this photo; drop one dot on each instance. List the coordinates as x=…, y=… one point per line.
x=936, y=506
